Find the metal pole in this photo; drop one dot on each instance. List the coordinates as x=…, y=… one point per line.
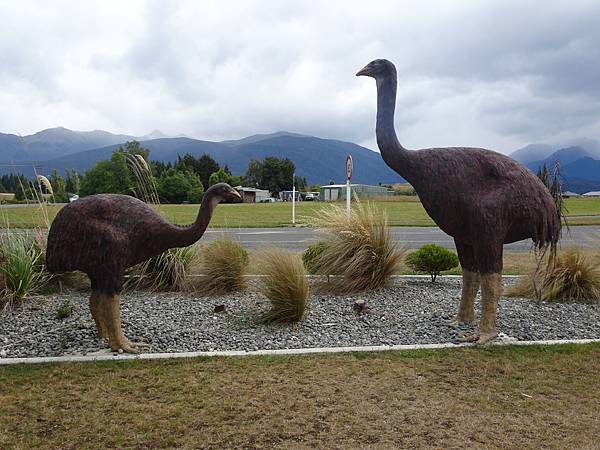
x=348, y=195
x=293, y=200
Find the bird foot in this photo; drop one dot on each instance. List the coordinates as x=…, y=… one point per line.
x=477, y=338
x=455, y=322
x=126, y=345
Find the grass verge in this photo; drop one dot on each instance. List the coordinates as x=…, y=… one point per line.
x=581, y=211
x=531, y=397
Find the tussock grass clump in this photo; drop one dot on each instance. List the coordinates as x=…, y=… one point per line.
x=310, y=255
x=167, y=271
x=224, y=264
x=21, y=264
x=357, y=250
x=572, y=277
x=284, y=284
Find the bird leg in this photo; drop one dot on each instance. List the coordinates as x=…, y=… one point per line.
x=111, y=317
x=491, y=289
x=466, y=309
x=96, y=309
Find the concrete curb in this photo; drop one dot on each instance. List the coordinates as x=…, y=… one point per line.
x=291, y=351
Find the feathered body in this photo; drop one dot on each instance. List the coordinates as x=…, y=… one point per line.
x=479, y=195
x=481, y=198
x=102, y=235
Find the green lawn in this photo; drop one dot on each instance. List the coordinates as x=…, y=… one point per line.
x=406, y=212
x=511, y=397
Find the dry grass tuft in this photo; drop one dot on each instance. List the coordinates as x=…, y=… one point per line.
x=357, y=249
x=574, y=277
x=167, y=271
x=285, y=285
x=224, y=265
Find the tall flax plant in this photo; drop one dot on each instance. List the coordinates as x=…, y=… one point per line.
x=358, y=252
x=168, y=270
x=21, y=264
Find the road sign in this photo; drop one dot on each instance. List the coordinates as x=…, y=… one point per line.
x=349, y=167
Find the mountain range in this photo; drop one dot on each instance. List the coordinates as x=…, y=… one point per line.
x=317, y=159
x=579, y=165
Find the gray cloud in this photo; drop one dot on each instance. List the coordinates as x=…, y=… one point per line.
x=497, y=75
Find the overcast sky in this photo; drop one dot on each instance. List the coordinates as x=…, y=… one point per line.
x=494, y=74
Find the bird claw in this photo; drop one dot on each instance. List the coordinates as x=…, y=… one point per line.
x=477, y=338
x=127, y=346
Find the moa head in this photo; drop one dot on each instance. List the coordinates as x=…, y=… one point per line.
x=377, y=68
x=222, y=191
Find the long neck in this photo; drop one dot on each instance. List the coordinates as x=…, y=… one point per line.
x=184, y=236
x=395, y=156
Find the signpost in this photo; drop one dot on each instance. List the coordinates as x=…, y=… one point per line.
x=348, y=178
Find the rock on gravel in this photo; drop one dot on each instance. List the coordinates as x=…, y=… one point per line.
x=411, y=311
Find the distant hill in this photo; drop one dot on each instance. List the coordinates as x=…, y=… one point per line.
x=532, y=152
x=56, y=142
x=319, y=160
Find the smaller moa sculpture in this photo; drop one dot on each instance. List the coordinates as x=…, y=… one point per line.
x=481, y=198
x=102, y=235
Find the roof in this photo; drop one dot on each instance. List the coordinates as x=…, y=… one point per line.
x=249, y=189
x=357, y=184
x=571, y=194
x=592, y=194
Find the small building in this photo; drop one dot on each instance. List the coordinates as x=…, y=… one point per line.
x=252, y=195
x=333, y=192
x=569, y=194
x=591, y=194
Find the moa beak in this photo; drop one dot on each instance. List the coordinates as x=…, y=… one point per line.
x=236, y=194
x=363, y=72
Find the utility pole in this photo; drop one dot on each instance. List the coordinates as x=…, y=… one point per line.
x=294, y=199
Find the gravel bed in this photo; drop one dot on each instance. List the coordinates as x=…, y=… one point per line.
x=411, y=311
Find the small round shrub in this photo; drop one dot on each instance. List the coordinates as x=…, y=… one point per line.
x=310, y=255
x=432, y=259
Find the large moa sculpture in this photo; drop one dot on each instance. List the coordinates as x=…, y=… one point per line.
x=104, y=234
x=479, y=197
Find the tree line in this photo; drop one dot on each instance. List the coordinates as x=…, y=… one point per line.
x=184, y=180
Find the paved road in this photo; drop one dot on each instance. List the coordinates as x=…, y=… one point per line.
x=300, y=238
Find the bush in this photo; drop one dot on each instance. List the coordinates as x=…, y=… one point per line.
x=22, y=265
x=224, y=265
x=285, y=285
x=356, y=248
x=310, y=255
x=432, y=259
x=167, y=271
x=572, y=277
x=65, y=310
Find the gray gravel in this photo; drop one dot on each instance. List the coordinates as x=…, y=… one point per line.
x=411, y=311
